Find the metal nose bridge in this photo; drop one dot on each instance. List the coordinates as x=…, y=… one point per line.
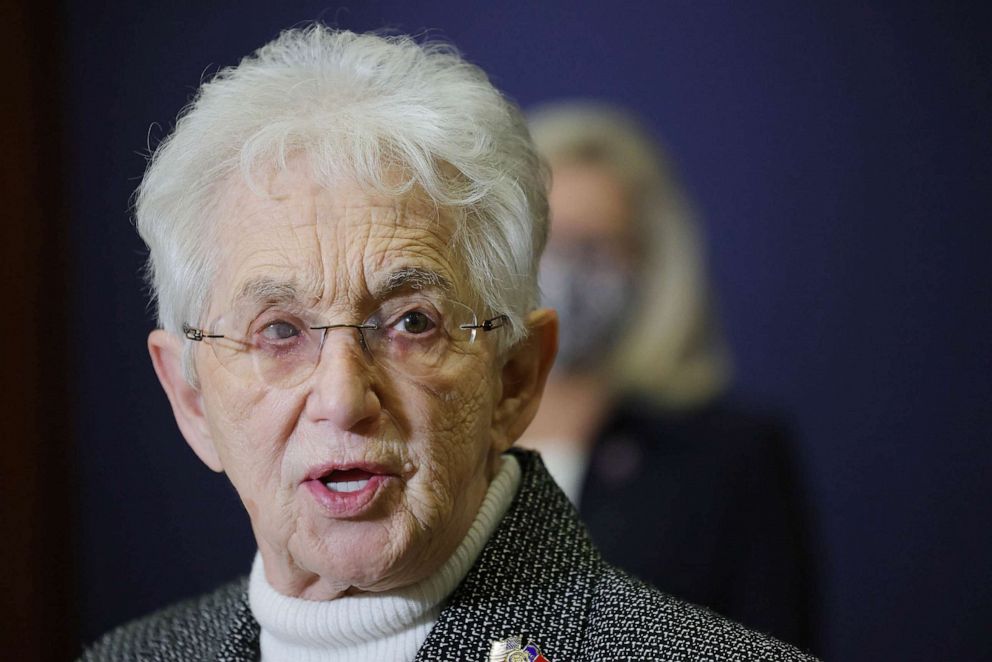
x=360, y=328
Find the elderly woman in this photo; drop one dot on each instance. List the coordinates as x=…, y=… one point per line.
x=344, y=233
x=679, y=483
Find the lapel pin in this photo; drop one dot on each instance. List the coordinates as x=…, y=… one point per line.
x=511, y=650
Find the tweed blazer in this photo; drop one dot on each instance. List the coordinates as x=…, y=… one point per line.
x=539, y=577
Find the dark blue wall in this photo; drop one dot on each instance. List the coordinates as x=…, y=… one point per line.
x=841, y=157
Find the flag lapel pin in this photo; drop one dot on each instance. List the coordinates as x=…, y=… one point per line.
x=512, y=650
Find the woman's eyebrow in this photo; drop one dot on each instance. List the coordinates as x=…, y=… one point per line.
x=413, y=278
x=267, y=289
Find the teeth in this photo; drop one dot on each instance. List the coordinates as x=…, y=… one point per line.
x=347, y=486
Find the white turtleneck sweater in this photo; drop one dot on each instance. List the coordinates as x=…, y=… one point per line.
x=391, y=625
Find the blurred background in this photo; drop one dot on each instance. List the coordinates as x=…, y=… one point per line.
x=839, y=156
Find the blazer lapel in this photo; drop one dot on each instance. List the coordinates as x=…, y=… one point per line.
x=534, y=579
x=240, y=643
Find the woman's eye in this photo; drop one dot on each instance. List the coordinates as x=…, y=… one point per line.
x=277, y=331
x=415, y=322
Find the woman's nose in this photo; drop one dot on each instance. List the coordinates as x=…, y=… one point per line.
x=342, y=392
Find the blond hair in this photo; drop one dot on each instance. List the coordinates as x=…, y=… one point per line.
x=672, y=351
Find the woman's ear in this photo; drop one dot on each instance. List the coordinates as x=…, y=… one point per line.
x=523, y=376
x=186, y=400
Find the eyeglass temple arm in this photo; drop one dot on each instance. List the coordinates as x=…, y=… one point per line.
x=489, y=324
x=192, y=333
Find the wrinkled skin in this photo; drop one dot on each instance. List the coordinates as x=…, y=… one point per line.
x=442, y=435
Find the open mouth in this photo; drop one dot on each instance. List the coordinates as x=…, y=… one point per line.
x=347, y=490
x=348, y=480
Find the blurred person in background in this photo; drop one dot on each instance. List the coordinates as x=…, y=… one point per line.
x=678, y=483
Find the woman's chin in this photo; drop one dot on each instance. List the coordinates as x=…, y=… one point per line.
x=353, y=557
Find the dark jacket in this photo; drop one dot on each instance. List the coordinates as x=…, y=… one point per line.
x=538, y=577
x=706, y=505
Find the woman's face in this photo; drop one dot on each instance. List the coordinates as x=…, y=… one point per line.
x=588, y=273
x=358, y=478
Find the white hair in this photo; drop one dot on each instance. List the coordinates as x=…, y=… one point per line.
x=673, y=350
x=356, y=105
